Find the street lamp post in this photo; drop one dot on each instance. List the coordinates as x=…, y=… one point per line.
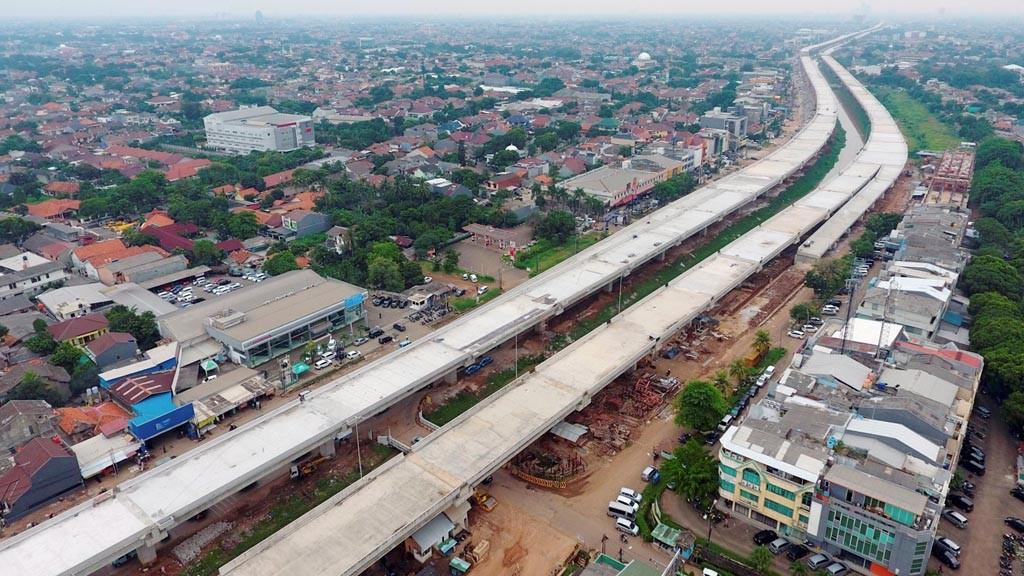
x=710, y=508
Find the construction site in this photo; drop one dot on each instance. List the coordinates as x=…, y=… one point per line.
x=948, y=177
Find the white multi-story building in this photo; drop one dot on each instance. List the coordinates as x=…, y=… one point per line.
x=258, y=128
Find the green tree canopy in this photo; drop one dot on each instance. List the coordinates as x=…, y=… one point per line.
x=280, y=263
x=142, y=326
x=694, y=471
x=700, y=406
x=991, y=274
x=557, y=227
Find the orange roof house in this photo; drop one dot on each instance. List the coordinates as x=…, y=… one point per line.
x=60, y=187
x=81, y=422
x=186, y=169
x=156, y=218
x=54, y=209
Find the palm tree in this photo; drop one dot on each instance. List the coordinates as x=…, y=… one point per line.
x=739, y=370
x=721, y=381
x=762, y=342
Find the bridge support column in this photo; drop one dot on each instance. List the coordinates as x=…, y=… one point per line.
x=451, y=377
x=661, y=257
x=327, y=448
x=609, y=287
x=147, y=554
x=541, y=327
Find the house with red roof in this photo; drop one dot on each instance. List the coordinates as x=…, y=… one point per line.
x=62, y=188
x=44, y=470
x=111, y=348
x=79, y=331
x=56, y=209
x=82, y=422
x=277, y=178
x=186, y=169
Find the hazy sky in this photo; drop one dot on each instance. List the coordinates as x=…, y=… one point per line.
x=131, y=8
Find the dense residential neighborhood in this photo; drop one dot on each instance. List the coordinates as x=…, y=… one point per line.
x=415, y=296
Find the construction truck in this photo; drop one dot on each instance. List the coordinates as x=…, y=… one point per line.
x=476, y=552
x=306, y=467
x=484, y=500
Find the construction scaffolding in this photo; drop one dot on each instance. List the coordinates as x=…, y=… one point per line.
x=951, y=178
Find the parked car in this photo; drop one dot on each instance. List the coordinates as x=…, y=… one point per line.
x=627, y=526
x=484, y=361
x=955, y=518
x=631, y=494
x=1018, y=493
x=327, y=354
x=322, y=363
x=797, y=552
x=799, y=335
x=650, y=474
x=974, y=466
x=948, y=544
x=385, y=339
x=946, y=557
x=360, y=341
x=472, y=369
x=481, y=290
x=671, y=353
x=836, y=569
x=405, y=342
x=1015, y=523
x=353, y=355
x=398, y=326
x=375, y=332
x=763, y=537
x=983, y=412
x=817, y=561
x=778, y=546
x=962, y=502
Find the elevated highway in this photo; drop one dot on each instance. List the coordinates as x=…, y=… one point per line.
x=140, y=511
x=346, y=534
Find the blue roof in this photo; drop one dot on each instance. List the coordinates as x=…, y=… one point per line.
x=153, y=407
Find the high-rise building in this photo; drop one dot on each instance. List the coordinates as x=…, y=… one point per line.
x=258, y=128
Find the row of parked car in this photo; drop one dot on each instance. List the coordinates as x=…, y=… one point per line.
x=390, y=302
x=796, y=552
x=624, y=509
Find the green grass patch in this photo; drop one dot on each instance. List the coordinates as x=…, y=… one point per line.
x=921, y=128
x=286, y=512
x=465, y=400
x=545, y=254
x=470, y=302
x=800, y=188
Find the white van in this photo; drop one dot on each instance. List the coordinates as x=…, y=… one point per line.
x=631, y=494
x=725, y=423
x=627, y=526
x=627, y=501
x=617, y=510
x=956, y=518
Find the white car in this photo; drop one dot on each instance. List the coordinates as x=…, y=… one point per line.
x=322, y=363
x=427, y=279
x=627, y=526
x=221, y=290
x=631, y=494
x=481, y=290
x=798, y=334
x=234, y=286
x=353, y=355
x=327, y=355
x=166, y=295
x=809, y=328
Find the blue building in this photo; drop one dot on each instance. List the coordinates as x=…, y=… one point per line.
x=151, y=401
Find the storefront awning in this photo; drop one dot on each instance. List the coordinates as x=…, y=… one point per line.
x=208, y=365
x=299, y=368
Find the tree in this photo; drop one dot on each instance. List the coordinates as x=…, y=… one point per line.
x=85, y=376
x=1009, y=153
x=798, y=568
x=66, y=355
x=141, y=326
x=761, y=559
x=3, y=331
x=700, y=405
x=384, y=274
x=694, y=471
x=280, y=263
x=739, y=370
x=762, y=342
x=205, y=252
x=243, y=225
x=721, y=381
x=412, y=273
x=992, y=274
x=557, y=227
x=802, y=312
x=451, y=261
x=32, y=387
x=1013, y=410
x=39, y=325
x=41, y=343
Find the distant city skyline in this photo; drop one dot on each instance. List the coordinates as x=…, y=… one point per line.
x=100, y=9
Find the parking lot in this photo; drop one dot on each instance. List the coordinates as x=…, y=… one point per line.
x=981, y=540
